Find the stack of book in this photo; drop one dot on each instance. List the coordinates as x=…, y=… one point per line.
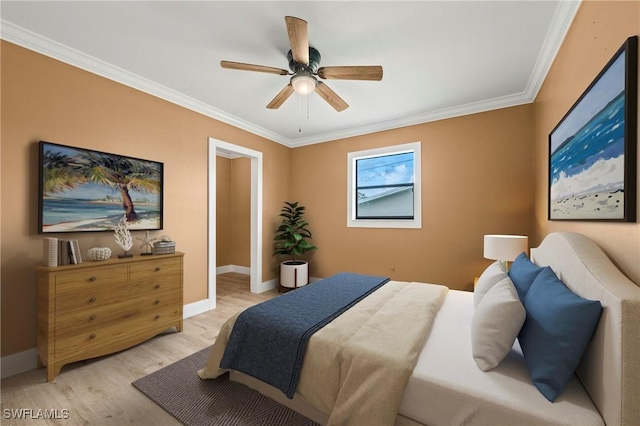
x=69, y=252
x=164, y=247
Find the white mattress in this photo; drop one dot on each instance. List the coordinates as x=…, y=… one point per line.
x=448, y=388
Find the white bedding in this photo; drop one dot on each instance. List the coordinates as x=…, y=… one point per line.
x=448, y=388
x=356, y=367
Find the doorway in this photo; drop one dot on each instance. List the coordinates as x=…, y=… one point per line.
x=226, y=149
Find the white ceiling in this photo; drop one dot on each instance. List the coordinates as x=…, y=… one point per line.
x=440, y=58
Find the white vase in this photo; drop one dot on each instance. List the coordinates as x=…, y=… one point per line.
x=294, y=274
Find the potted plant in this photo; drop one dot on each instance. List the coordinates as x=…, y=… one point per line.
x=291, y=240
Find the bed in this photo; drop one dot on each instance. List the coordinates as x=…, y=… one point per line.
x=445, y=385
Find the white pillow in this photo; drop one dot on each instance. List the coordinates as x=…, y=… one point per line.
x=496, y=322
x=490, y=277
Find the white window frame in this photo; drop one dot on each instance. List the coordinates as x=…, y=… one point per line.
x=416, y=222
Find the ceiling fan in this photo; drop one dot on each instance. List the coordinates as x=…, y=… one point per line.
x=303, y=62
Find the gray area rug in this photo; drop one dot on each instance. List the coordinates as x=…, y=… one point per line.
x=192, y=401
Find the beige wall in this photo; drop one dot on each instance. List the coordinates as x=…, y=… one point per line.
x=233, y=215
x=223, y=211
x=479, y=174
x=598, y=31
x=476, y=179
x=241, y=213
x=44, y=99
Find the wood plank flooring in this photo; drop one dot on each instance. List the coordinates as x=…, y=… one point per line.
x=99, y=391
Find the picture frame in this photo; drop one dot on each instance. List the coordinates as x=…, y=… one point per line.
x=82, y=190
x=592, y=150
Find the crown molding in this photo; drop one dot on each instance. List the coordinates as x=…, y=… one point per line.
x=43, y=45
x=441, y=114
x=560, y=25
x=562, y=20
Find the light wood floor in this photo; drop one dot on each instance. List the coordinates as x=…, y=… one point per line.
x=99, y=391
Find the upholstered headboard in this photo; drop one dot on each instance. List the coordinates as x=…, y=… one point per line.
x=610, y=367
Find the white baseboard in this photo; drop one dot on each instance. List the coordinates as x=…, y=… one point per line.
x=195, y=308
x=268, y=285
x=233, y=268
x=11, y=365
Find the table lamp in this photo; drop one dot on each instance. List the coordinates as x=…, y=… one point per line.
x=505, y=248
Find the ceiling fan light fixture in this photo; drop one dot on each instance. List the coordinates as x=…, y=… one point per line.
x=304, y=63
x=304, y=82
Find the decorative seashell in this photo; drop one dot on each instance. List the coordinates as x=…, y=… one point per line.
x=99, y=253
x=122, y=235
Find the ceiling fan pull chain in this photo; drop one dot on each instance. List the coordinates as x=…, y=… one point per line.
x=299, y=114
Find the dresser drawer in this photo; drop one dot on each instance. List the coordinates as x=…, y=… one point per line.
x=94, y=338
x=100, y=317
x=97, y=308
x=92, y=298
x=154, y=268
x=161, y=283
x=78, y=280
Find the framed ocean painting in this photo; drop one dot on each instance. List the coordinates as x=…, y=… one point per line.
x=592, y=151
x=84, y=190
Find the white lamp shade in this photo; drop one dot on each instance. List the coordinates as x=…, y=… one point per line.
x=505, y=247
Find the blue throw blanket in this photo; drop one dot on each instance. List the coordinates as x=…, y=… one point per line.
x=269, y=340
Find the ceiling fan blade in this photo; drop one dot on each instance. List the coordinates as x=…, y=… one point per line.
x=298, y=38
x=369, y=72
x=250, y=67
x=281, y=97
x=331, y=97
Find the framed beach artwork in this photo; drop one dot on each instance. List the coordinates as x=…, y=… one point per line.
x=592, y=151
x=84, y=190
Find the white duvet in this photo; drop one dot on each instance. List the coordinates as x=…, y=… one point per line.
x=356, y=367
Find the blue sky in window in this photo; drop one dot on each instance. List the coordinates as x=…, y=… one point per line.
x=385, y=170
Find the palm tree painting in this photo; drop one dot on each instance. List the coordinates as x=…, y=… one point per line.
x=84, y=190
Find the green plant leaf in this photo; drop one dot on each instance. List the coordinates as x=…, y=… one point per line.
x=292, y=233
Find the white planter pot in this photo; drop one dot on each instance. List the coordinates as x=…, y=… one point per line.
x=294, y=275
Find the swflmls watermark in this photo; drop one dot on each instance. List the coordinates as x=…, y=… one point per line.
x=35, y=413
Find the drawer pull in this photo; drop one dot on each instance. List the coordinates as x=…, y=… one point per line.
x=157, y=301
x=93, y=336
x=157, y=269
x=93, y=299
x=93, y=278
x=92, y=317
x=157, y=285
x=158, y=316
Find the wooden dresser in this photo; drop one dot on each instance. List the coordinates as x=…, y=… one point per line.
x=97, y=308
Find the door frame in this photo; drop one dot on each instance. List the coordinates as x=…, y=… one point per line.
x=220, y=147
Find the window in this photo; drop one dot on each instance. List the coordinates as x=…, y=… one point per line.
x=384, y=187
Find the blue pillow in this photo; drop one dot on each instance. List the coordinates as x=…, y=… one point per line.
x=522, y=273
x=556, y=332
